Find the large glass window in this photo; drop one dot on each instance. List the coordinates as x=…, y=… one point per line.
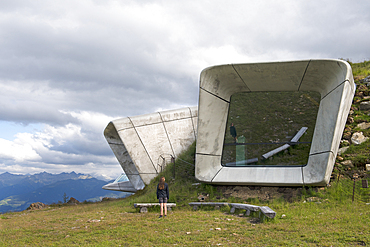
x=270, y=128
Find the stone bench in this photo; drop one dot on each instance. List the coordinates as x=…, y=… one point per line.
x=144, y=206
x=266, y=211
x=247, y=207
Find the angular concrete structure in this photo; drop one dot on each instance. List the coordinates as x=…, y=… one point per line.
x=144, y=144
x=333, y=79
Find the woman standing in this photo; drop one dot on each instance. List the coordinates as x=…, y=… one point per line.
x=163, y=195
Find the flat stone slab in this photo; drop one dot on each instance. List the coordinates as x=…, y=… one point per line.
x=268, y=212
x=244, y=206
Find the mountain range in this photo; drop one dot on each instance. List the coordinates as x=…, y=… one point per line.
x=17, y=192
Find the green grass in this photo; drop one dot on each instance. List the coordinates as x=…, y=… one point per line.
x=329, y=223
x=359, y=154
x=330, y=220
x=361, y=69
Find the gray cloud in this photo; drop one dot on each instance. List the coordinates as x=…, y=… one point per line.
x=65, y=62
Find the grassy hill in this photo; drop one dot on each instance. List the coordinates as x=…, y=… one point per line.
x=329, y=216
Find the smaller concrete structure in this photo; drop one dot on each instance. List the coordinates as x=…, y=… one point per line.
x=144, y=144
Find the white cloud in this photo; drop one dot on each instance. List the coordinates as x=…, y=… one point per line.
x=66, y=148
x=72, y=67
x=17, y=152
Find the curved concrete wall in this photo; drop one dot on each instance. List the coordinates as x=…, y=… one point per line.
x=331, y=78
x=139, y=142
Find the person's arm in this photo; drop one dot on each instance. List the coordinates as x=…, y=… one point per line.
x=167, y=192
x=157, y=192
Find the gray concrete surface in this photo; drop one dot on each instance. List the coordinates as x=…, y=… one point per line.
x=331, y=78
x=140, y=143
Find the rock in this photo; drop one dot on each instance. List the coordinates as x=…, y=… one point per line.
x=93, y=221
x=312, y=199
x=363, y=125
x=347, y=136
x=36, y=205
x=365, y=106
x=367, y=167
x=340, y=158
x=73, y=201
x=358, y=138
x=202, y=198
x=342, y=150
x=361, y=88
x=347, y=163
x=359, y=94
x=344, y=143
x=350, y=120
x=366, y=81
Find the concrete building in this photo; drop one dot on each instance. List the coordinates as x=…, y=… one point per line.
x=140, y=142
x=333, y=79
x=144, y=144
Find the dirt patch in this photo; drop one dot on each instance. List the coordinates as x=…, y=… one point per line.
x=260, y=192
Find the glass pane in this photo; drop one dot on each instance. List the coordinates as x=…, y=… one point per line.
x=270, y=128
x=121, y=178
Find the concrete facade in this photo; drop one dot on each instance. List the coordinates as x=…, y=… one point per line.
x=140, y=142
x=333, y=79
x=144, y=144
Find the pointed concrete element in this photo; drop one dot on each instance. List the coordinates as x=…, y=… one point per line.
x=120, y=186
x=141, y=143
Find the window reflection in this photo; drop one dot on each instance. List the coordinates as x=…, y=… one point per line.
x=270, y=128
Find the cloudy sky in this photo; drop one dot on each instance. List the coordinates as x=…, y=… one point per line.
x=67, y=67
